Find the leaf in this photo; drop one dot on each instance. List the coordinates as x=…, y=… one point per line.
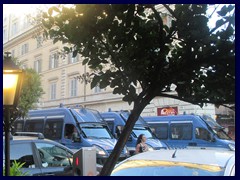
x=66, y=49
x=85, y=61
x=95, y=81
x=75, y=52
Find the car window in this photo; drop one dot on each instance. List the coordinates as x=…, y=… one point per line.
x=53, y=156
x=22, y=153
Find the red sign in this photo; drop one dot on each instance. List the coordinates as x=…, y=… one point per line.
x=167, y=111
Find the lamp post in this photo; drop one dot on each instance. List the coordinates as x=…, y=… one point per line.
x=12, y=82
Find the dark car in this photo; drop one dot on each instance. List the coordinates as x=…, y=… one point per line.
x=42, y=157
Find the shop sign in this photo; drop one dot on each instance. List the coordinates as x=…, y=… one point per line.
x=167, y=111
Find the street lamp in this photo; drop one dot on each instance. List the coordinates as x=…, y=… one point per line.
x=12, y=82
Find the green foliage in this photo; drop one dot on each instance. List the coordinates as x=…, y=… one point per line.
x=140, y=49
x=15, y=169
x=31, y=91
x=128, y=45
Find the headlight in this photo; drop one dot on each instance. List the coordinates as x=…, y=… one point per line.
x=232, y=146
x=100, y=151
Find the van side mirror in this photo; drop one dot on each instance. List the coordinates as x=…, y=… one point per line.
x=213, y=139
x=116, y=136
x=130, y=138
x=76, y=137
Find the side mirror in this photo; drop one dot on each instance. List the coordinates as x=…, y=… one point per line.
x=130, y=138
x=115, y=135
x=213, y=139
x=76, y=137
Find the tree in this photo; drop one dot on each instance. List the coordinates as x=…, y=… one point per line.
x=129, y=46
x=31, y=91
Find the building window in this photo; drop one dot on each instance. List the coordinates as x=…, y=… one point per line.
x=73, y=87
x=13, y=53
x=24, y=48
x=24, y=66
x=39, y=41
x=26, y=22
x=38, y=64
x=97, y=89
x=53, y=60
x=72, y=59
x=14, y=28
x=53, y=91
x=4, y=34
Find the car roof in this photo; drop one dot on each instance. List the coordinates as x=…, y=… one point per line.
x=19, y=139
x=197, y=156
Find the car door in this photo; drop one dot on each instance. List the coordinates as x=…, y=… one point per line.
x=55, y=160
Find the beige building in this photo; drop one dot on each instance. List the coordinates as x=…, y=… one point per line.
x=57, y=72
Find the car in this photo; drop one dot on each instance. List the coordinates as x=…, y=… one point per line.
x=41, y=157
x=178, y=162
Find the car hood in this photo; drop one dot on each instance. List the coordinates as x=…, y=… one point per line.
x=107, y=144
x=155, y=143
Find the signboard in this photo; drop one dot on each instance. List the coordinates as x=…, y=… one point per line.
x=166, y=111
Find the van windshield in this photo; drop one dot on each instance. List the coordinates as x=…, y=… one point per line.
x=86, y=115
x=216, y=128
x=142, y=130
x=95, y=131
x=140, y=120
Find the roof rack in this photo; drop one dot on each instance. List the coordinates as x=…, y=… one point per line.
x=33, y=134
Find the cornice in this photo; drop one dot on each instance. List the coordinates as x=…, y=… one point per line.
x=14, y=41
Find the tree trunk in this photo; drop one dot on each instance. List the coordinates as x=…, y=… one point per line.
x=133, y=117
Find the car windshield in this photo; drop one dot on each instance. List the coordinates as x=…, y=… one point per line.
x=96, y=131
x=165, y=168
x=142, y=130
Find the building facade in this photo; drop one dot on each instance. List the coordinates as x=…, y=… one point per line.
x=58, y=73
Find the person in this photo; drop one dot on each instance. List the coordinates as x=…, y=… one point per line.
x=141, y=145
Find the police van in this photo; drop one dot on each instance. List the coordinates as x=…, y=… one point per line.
x=190, y=131
x=74, y=127
x=116, y=121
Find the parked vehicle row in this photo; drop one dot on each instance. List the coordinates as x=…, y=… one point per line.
x=187, y=131
x=74, y=128
x=116, y=121
x=77, y=127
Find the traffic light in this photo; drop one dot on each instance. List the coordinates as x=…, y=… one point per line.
x=84, y=162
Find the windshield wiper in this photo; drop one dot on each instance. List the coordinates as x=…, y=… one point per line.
x=93, y=137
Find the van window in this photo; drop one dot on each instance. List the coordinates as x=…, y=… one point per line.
x=181, y=131
x=18, y=126
x=160, y=130
x=68, y=131
x=203, y=134
x=34, y=126
x=53, y=129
